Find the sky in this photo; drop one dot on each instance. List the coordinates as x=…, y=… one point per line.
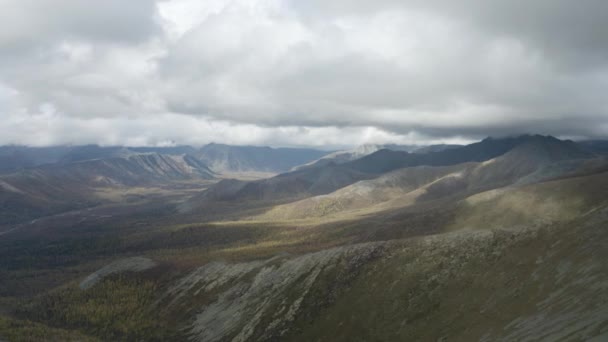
x=300, y=73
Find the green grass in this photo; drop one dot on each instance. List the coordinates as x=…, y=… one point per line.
x=463, y=287
x=462, y=284
x=118, y=308
x=15, y=330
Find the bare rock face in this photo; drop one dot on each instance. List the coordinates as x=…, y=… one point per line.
x=135, y=264
x=258, y=300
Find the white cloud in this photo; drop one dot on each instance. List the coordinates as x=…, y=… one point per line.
x=286, y=72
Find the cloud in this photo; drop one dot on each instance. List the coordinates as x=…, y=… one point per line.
x=286, y=72
x=48, y=127
x=28, y=23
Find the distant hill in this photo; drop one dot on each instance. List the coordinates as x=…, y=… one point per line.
x=528, y=154
x=54, y=188
x=221, y=158
x=534, y=160
x=341, y=157
x=435, y=148
x=132, y=170
x=386, y=160
x=227, y=158
x=20, y=157
x=288, y=186
x=502, y=240
x=90, y=152
x=595, y=146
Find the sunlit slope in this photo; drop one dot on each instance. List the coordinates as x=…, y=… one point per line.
x=509, y=264
x=512, y=248
x=531, y=268
x=545, y=283
x=531, y=162
x=385, y=176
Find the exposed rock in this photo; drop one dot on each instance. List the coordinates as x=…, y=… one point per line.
x=270, y=291
x=135, y=264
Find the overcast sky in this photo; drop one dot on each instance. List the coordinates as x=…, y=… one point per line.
x=292, y=72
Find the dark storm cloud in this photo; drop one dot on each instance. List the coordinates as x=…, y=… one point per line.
x=295, y=71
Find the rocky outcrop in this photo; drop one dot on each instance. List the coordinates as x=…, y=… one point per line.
x=258, y=300
x=135, y=264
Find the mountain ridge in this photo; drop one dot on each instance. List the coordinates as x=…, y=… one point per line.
x=308, y=182
x=53, y=188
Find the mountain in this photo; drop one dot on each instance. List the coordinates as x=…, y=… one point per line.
x=435, y=148
x=227, y=158
x=516, y=263
x=90, y=152
x=595, y=146
x=223, y=158
x=18, y=157
x=508, y=281
x=532, y=161
x=341, y=157
x=386, y=160
x=282, y=188
x=55, y=188
x=130, y=170
x=14, y=158
x=324, y=179
x=502, y=240
x=170, y=150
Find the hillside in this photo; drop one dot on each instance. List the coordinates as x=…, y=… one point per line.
x=341, y=157
x=515, y=242
x=524, y=155
x=14, y=158
x=139, y=169
x=19, y=157
x=54, y=188
x=523, y=262
x=303, y=171
x=489, y=148
x=282, y=188
x=595, y=146
x=533, y=161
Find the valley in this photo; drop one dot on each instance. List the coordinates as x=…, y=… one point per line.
x=303, y=171
x=499, y=240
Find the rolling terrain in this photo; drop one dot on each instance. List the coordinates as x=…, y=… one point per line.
x=523, y=156
x=55, y=188
x=220, y=158
x=341, y=157
x=529, y=161
x=502, y=240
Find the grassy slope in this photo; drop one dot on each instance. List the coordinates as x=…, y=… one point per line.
x=525, y=164
x=536, y=272
x=537, y=228
x=548, y=283
x=531, y=269
x=14, y=330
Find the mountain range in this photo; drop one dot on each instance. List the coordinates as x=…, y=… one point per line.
x=499, y=240
x=324, y=178
x=340, y=157
x=222, y=158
